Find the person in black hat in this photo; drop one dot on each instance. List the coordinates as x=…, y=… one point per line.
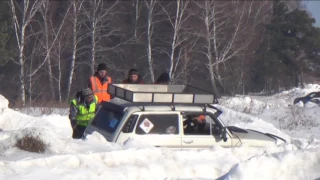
x=164, y=78
x=82, y=110
x=99, y=82
x=133, y=77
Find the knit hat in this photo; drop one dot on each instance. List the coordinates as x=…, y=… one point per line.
x=102, y=66
x=86, y=92
x=133, y=71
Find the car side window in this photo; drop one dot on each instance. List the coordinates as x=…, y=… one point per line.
x=195, y=124
x=158, y=124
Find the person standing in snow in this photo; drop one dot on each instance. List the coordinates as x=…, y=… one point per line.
x=82, y=110
x=99, y=83
x=164, y=78
x=133, y=77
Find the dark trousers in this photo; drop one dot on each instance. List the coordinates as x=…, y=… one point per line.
x=78, y=131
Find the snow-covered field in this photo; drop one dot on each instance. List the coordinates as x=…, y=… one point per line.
x=96, y=158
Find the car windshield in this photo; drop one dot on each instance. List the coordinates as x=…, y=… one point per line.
x=107, y=120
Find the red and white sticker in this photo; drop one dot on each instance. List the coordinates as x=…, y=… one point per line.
x=146, y=125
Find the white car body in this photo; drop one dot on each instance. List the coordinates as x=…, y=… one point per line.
x=113, y=122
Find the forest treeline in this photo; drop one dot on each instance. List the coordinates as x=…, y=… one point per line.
x=49, y=48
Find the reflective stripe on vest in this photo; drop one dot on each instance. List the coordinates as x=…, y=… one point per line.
x=84, y=115
x=100, y=90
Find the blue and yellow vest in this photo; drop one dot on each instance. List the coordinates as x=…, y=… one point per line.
x=85, y=114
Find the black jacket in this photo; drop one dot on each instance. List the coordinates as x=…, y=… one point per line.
x=164, y=78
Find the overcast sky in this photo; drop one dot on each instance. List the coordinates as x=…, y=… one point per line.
x=314, y=7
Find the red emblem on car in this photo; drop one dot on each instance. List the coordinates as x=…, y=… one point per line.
x=146, y=124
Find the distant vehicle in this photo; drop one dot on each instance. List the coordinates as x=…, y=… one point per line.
x=313, y=97
x=162, y=115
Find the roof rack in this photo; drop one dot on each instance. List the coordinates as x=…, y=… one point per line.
x=161, y=93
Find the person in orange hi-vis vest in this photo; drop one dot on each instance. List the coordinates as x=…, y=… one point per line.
x=99, y=83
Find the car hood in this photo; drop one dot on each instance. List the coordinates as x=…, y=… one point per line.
x=255, y=138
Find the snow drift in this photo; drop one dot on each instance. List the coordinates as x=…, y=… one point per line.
x=96, y=158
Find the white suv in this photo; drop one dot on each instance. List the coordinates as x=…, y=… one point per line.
x=169, y=124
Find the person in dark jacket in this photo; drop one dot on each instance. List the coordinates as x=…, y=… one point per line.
x=133, y=77
x=82, y=110
x=164, y=78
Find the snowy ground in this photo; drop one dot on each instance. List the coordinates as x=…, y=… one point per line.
x=97, y=159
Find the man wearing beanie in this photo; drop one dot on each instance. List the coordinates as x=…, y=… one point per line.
x=133, y=77
x=81, y=111
x=99, y=82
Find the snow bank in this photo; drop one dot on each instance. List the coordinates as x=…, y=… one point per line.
x=95, y=158
x=289, y=165
x=279, y=110
x=53, y=129
x=242, y=120
x=154, y=163
x=40, y=111
x=297, y=92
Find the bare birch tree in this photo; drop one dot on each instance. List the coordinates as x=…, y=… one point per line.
x=22, y=16
x=98, y=13
x=137, y=6
x=150, y=4
x=50, y=37
x=177, y=21
x=59, y=48
x=46, y=19
x=224, y=34
x=31, y=80
x=76, y=7
x=257, y=16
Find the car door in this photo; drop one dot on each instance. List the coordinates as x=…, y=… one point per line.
x=159, y=129
x=127, y=130
x=205, y=139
